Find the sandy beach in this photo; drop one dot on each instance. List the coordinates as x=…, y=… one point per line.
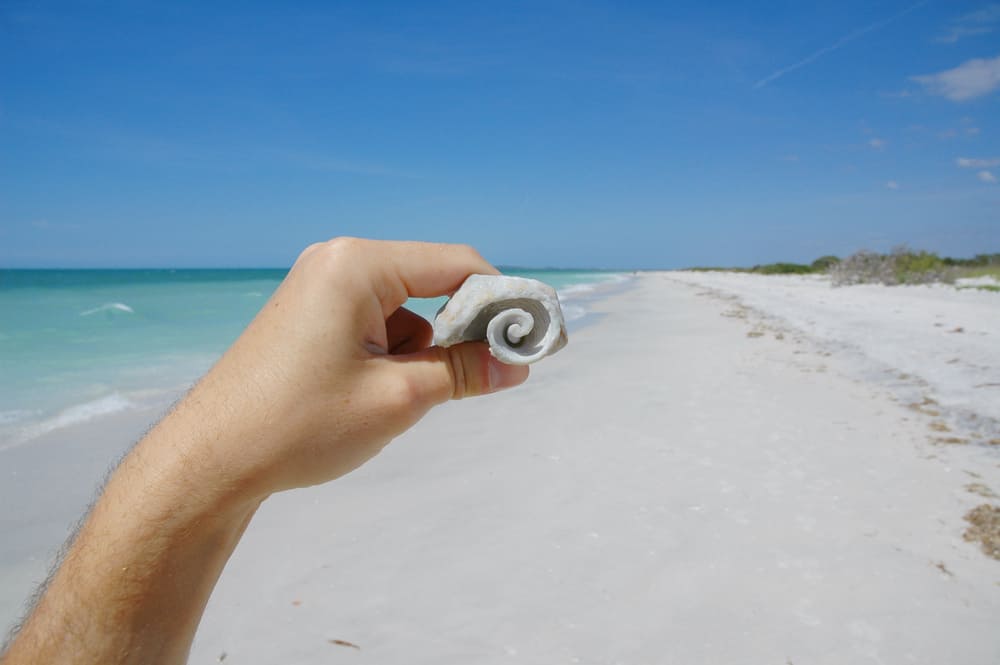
x=719, y=469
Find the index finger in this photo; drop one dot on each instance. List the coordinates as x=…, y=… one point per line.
x=424, y=270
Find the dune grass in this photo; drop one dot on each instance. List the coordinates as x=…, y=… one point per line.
x=900, y=266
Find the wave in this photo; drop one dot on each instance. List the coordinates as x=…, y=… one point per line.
x=73, y=415
x=109, y=307
x=575, y=299
x=584, y=289
x=577, y=290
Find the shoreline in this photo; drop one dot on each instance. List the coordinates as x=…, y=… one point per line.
x=28, y=423
x=89, y=449
x=665, y=489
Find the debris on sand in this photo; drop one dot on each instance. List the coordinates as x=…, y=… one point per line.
x=985, y=529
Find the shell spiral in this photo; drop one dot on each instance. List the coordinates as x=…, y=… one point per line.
x=520, y=318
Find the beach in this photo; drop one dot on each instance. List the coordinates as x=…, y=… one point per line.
x=719, y=468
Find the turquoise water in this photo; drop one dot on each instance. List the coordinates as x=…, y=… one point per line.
x=78, y=344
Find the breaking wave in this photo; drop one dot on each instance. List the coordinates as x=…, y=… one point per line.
x=109, y=307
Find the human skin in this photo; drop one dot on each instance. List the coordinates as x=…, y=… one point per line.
x=327, y=374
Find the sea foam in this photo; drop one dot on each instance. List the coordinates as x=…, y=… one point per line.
x=74, y=415
x=109, y=307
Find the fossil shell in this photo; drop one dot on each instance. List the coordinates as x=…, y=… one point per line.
x=520, y=318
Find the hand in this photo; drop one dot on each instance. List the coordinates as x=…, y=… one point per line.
x=333, y=367
x=330, y=370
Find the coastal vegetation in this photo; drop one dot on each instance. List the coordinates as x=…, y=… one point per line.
x=900, y=266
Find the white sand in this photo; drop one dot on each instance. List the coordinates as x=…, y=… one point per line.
x=667, y=489
x=928, y=342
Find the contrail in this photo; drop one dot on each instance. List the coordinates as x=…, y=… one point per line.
x=847, y=39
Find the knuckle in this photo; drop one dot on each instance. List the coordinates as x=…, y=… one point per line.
x=309, y=251
x=344, y=244
x=404, y=399
x=471, y=252
x=332, y=256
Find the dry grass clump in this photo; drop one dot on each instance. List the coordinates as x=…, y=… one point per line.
x=981, y=490
x=926, y=407
x=900, y=266
x=985, y=529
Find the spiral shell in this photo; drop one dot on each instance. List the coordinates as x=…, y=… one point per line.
x=520, y=318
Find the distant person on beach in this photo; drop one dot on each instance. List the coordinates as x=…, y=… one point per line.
x=328, y=373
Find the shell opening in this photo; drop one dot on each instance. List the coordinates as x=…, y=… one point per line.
x=517, y=330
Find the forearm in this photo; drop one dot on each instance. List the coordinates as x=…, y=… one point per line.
x=330, y=370
x=135, y=581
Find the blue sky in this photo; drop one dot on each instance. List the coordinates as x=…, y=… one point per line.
x=544, y=133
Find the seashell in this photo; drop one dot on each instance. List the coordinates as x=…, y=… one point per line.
x=520, y=318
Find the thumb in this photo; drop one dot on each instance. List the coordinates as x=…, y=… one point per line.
x=438, y=374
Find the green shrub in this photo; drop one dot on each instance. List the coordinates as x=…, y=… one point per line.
x=978, y=261
x=982, y=287
x=919, y=267
x=783, y=269
x=983, y=271
x=824, y=263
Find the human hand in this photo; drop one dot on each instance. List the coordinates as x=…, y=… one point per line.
x=333, y=367
x=330, y=370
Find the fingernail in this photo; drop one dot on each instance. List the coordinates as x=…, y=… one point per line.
x=506, y=376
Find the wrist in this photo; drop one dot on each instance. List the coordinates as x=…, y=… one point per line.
x=186, y=477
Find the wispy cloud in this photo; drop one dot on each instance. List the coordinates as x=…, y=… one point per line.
x=982, y=163
x=892, y=184
x=840, y=43
x=952, y=133
x=974, y=163
x=971, y=79
x=878, y=143
x=979, y=22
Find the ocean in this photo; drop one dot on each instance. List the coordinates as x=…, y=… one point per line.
x=81, y=344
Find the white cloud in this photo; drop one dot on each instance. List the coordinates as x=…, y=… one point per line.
x=986, y=176
x=877, y=143
x=979, y=22
x=971, y=79
x=973, y=163
x=892, y=184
